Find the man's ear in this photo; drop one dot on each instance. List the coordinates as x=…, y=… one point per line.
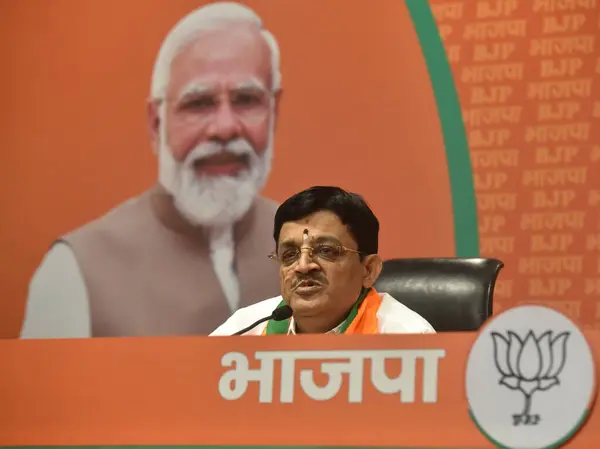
x=153, y=118
x=277, y=100
x=373, y=265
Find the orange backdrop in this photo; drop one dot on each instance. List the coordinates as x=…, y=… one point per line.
x=358, y=111
x=528, y=78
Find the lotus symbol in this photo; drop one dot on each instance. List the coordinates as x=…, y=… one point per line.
x=529, y=365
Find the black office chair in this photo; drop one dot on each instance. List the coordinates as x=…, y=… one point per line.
x=453, y=294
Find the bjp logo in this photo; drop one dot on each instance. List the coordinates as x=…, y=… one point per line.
x=528, y=365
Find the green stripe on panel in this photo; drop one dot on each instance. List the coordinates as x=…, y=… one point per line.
x=464, y=206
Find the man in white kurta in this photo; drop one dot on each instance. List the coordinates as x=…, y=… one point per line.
x=392, y=318
x=326, y=242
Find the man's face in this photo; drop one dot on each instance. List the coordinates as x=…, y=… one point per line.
x=325, y=284
x=216, y=124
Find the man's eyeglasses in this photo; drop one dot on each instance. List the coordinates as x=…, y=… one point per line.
x=287, y=257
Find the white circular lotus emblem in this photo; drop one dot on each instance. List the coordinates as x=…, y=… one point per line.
x=530, y=379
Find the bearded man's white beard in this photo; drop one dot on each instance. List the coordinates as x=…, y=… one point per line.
x=214, y=201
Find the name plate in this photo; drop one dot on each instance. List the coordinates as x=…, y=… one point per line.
x=371, y=391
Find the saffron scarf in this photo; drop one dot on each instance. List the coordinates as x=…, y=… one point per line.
x=362, y=318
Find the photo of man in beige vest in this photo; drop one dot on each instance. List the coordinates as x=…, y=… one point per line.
x=184, y=255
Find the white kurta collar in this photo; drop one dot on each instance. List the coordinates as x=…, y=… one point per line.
x=292, y=328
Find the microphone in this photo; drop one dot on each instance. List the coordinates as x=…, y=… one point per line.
x=279, y=314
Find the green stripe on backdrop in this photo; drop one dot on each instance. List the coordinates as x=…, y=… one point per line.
x=466, y=234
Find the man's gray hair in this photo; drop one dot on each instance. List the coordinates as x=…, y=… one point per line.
x=209, y=17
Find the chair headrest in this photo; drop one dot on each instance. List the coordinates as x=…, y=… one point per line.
x=453, y=294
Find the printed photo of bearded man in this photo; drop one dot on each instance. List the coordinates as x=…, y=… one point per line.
x=184, y=255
